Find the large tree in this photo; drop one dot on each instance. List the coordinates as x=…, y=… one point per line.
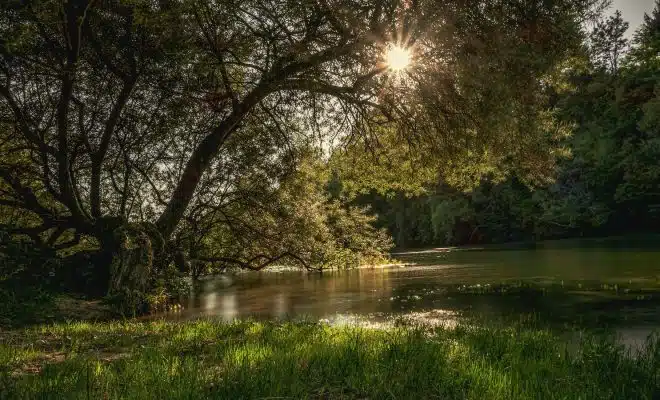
x=118, y=116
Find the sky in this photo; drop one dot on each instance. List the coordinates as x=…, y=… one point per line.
x=633, y=12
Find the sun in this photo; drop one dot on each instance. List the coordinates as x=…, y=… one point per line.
x=398, y=58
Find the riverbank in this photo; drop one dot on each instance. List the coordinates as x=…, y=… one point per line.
x=205, y=359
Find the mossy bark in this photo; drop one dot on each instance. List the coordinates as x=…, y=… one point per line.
x=132, y=249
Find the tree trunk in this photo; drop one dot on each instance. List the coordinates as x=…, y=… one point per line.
x=125, y=263
x=200, y=160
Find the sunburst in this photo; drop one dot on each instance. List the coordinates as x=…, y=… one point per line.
x=397, y=58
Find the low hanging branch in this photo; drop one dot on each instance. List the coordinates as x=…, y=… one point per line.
x=259, y=262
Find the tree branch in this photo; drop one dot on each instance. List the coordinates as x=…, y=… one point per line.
x=98, y=157
x=23, y=124
x=73, y=20
x=249, y=264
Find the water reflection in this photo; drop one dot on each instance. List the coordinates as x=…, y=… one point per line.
x=281, y=306
x=210, y=301
x=291, y=294
x=422, y=292
x=229, y=306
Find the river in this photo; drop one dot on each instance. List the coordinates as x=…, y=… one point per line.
x=598, y=284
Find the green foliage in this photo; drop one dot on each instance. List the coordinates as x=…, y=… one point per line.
x=21, y=305
x=608, y=42
x=24, y=265
x=446, y=215
x=647, y=40
x=607, y=181
x=296, y=223
x=207, y=359
x=137, y=136
x=27, y=280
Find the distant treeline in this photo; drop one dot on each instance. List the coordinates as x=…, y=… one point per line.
x=607, y=182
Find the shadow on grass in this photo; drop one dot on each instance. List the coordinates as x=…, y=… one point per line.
x=206, y=359
x=26, y=308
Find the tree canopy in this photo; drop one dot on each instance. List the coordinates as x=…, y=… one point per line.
x=607, y=183
x=135, y=129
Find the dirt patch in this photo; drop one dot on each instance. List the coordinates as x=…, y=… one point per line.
x=82, y=310
x=36, y=365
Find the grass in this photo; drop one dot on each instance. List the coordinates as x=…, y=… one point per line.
x=251, y=360
x=28, y=308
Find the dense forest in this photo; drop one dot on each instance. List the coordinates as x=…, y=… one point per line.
x=606, y=180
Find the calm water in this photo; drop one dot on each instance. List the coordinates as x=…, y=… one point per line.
x=440, y=285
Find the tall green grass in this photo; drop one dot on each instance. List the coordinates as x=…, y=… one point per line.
x=250, y=360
